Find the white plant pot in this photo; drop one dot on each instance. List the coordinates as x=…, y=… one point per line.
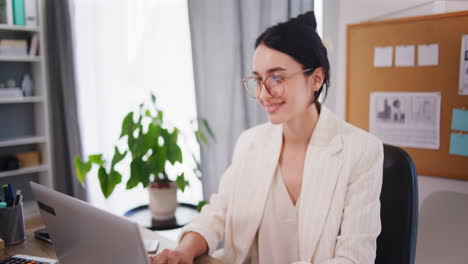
x=163, y=201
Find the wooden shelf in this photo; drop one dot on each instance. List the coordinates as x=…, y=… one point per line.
x=18, y=28
x=22, y=171
x=20, y=58
x=22, y=141
x=19, y=100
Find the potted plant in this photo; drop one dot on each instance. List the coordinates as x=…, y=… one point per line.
x=153, y=144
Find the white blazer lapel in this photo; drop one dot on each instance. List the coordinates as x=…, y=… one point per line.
x=252, y=192
x=321, y=170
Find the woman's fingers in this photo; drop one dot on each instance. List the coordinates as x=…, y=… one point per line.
x=161, y=258
x=171, y=257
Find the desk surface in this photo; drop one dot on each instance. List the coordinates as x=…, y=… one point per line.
x=39, y=248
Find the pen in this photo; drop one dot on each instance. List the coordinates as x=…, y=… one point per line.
x=20, y=199
x=8, y=194
x=17, y=197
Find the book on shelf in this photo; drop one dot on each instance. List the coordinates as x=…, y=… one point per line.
x=30, y=13
x=6, y=12
x=3, y=12
x=34, y=45
x=13, y=47
x=9, y=12
x=18, y=12
x=11, y=93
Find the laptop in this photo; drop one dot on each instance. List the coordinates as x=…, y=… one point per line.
x=82, y=233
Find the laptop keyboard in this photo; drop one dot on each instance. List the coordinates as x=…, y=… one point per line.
x=16, y=260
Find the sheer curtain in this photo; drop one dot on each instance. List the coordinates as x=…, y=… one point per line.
x=124, y=50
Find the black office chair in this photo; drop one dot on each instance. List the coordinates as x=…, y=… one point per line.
x=399, y=209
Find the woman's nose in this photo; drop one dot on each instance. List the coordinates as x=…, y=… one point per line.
x=263, y=94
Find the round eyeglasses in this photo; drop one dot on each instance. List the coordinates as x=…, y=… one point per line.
x=274, y=84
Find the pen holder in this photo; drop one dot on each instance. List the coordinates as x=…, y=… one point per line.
x=12, y=224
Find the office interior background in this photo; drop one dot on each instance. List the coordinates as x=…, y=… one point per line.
x=192, y=55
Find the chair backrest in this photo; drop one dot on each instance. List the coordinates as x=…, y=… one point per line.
x=399, y=209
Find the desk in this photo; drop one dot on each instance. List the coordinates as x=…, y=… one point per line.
x=39, y=248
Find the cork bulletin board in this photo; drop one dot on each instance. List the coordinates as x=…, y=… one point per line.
x=363, y=79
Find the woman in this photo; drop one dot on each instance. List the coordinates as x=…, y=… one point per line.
x=302, y=188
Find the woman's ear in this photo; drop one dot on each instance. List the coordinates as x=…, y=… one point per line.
x=317, y=78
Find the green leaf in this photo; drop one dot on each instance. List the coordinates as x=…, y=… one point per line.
x=138, y=146
x=146, y=171
x=201, y=137
x=148, y=113
x=196, y=162
x=208, y=129
x=127, y=125
x=115, y=177
x=81, y=169
x=160, y=115
x=174, y=153
x=200, y=205
x=150, y=139
x=117, y=157
x=158, y=159
x=153, y=99
x=181, y=182
x=107, y=185
x=96, y=159
x=135, y=172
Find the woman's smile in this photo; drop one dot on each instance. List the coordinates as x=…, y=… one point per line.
x=271, y=108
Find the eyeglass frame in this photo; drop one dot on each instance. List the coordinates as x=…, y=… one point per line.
x=262, y=83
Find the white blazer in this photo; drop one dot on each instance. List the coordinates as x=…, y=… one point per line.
x=339, y=210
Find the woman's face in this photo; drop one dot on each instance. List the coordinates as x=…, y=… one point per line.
x=298, y=88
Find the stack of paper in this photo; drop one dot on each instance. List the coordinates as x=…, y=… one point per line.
x=13, y=47
x=10, y=93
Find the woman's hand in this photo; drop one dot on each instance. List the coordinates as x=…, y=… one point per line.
x=172, y=257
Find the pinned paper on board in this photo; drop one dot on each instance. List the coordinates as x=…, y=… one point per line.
x=404, y=56
x=406, y=119
x=383, y=56
x=428, y=55
x=460, y=119
x=463, y=81
x=459, y=144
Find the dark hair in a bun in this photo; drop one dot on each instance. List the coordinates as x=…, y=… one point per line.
x=298, y=38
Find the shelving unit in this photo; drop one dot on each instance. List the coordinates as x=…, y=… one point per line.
x=22, y=171
x=22, y=141
x=21, y=58
x=30, y=99
x=18, y=28
x=25, y=122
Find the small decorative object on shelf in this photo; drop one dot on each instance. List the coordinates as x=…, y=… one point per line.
x=154, y=146
x=11, y=83
x=26, y=85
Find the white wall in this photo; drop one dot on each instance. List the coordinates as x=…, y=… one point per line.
x=337, y=14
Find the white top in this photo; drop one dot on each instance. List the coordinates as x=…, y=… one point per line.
x=277, y=239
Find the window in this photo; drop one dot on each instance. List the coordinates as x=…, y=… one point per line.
x=124, y=50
